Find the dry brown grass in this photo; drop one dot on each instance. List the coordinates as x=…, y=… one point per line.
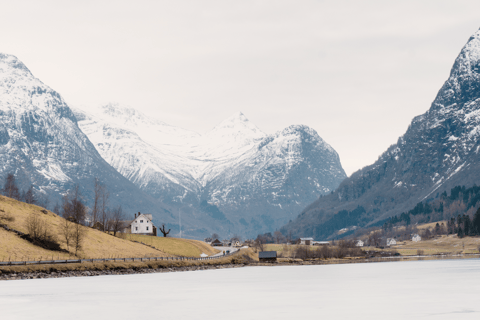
x=175, y=246
x=450, y=244
x=97, y=244
x=239, y=258
x=14, y=248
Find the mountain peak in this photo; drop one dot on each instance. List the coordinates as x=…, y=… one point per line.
x=237, y=117
x=12, y=62
x=237, y=124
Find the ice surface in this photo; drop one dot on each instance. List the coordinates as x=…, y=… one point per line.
x=396, y=290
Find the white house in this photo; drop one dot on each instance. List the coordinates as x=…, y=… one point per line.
x=416, y=238
x=142, y=224
x=307, y=241
x=359, y=243
x=391, y=242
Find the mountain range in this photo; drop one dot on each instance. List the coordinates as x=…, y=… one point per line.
x=41, y=143
x=234, y=177
x=439, y=150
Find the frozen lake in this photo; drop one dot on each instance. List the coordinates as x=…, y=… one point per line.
x=447, y=289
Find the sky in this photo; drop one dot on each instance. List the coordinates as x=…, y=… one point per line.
x=355, y=71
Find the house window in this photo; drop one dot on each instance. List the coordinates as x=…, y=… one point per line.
x=141, y=221
x=147, y=228
x=136, y=228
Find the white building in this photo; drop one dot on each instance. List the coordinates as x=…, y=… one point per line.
x=359, y=243
x=307, y=241
x=142, y=224
x=391, y=242
x=416, y=238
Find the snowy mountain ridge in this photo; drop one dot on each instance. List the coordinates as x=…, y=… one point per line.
x=41, y=143
x=230, y=167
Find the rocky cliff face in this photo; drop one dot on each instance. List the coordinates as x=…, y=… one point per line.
x=235, y=176
x=439, y=150
x=41, y=143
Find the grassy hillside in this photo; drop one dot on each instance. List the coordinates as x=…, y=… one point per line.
x=175, y=246
x=443, y=244
x=96, y=245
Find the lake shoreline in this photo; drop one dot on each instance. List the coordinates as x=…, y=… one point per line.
x=52, y=272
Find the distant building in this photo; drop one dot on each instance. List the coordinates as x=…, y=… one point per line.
x=391, y=242
x=267, y=256
x=141, y=224
x=208, y=240
x=216, y=243
x=236, y=243
x=320, y=243
x=306, y=241
x=359, y=243
x=416, y=238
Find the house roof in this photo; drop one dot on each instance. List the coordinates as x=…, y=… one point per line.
x=267, y=254
x=146, y=216
x=306, y=239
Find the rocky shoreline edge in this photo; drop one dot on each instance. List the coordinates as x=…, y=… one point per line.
x=52, y=272
x=91, y=273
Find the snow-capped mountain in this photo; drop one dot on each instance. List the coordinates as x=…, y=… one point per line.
x=440, y=150
x=42, y=144
x=244, y=179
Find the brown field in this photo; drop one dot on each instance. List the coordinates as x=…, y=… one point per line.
x=97, y=244
x=175, y=246
x=450, y=244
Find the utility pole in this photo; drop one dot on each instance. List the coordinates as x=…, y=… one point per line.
x=180, y=221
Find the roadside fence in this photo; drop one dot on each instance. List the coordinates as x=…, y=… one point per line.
x=62, y=261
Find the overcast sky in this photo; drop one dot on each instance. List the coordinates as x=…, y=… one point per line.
x=355, y=71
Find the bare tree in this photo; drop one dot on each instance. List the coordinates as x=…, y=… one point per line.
x=103, y=207
x=78, y=209
x=96, y=201
x=66, y=207
x=163, y=230
x=116, y=220
x=29, y=196
x=259, y=243
x=279, y=237
x=67, y=231
x=78, y=236
x=10, y=189
x=215, y=236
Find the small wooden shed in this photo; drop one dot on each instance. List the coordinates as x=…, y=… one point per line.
x=267, y=256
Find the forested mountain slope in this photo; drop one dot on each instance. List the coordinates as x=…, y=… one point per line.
x=440, y=150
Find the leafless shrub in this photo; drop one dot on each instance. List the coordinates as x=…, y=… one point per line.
x=39, y=232
x=420, y=252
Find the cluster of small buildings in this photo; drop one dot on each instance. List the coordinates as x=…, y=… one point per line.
x=223, y=243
